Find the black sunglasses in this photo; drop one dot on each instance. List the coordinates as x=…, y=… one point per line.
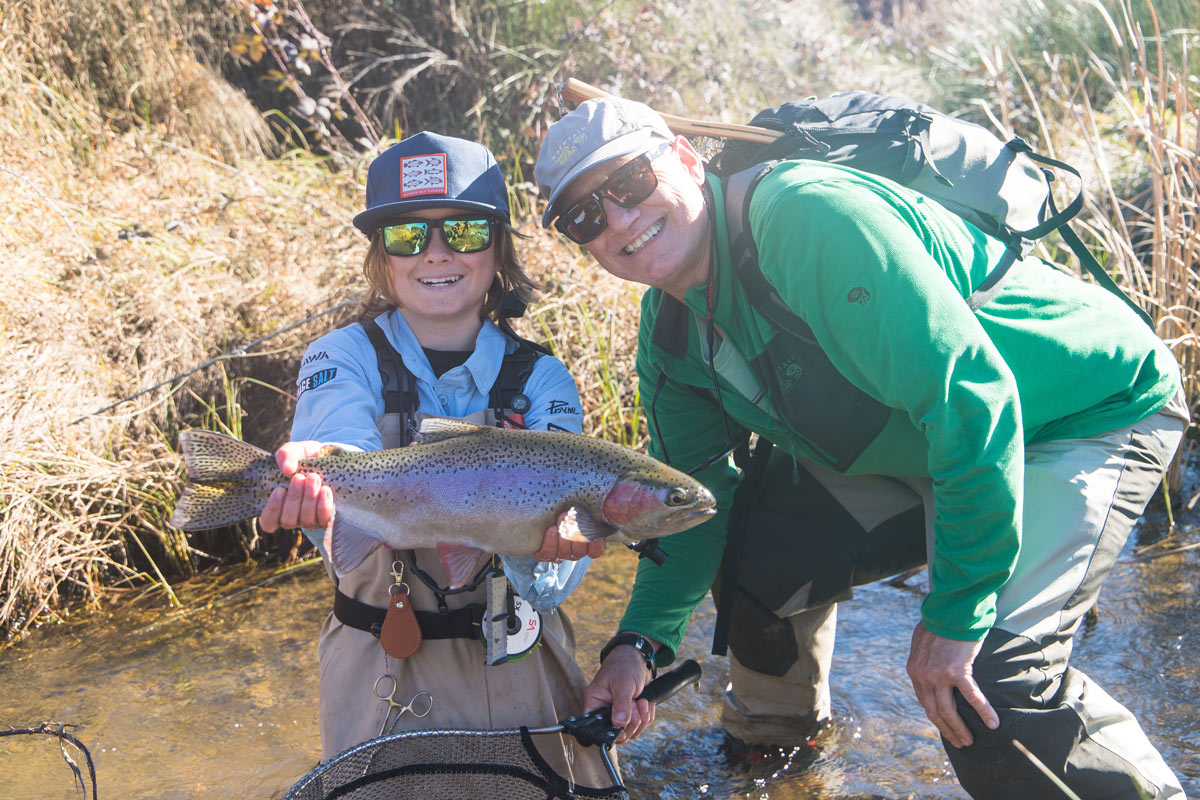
x=463, y=234
x=630, y=184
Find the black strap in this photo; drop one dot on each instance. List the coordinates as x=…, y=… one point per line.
x=461, y=623
x=511, y=307
x=672, y=326
x=399, y=391
x=1090, y=263
x=735, y=537
x=507, y=395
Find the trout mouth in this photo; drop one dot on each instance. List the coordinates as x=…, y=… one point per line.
x=688, y=518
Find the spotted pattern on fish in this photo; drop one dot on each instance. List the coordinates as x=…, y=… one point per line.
x=492, y=488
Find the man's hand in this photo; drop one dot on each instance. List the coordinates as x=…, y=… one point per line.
x=937, y=666
x=620, y=679
x=555, y=548
x=306, y=502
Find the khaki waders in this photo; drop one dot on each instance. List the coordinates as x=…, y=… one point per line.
x=541, y=688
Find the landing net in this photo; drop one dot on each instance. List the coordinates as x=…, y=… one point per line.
x=444, y=765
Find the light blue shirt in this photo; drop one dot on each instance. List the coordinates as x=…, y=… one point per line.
x=339, y=397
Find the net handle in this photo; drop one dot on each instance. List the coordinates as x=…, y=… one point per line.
x=670, y=683
x=576, y=91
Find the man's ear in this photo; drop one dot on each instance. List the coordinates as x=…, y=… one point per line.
x=690, y=159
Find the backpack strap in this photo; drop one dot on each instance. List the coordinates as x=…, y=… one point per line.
x=766, y=301
x=512, y=307
x=1057, y=220
x=672, y=325
x=399, y=389
x=507, y=394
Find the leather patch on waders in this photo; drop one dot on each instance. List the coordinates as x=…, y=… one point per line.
x=400, y=635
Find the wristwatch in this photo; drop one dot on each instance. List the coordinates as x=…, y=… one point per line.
x=636, y=641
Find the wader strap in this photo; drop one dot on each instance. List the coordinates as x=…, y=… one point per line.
x=462, y=623
x=735, y=538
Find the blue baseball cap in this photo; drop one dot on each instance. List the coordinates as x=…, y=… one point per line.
x=428, y=170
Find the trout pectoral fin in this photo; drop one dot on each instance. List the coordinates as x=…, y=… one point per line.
x=460, y=562
x=590, y=527
x=348, y=544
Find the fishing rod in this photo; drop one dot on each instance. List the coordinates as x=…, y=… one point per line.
x=576, y=91
x=234, y=353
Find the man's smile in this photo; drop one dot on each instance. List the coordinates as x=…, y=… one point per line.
x=640, y=242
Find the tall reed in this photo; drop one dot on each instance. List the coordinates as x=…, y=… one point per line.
x=1118, y=98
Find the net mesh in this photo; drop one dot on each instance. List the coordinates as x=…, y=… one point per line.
x=444, y=765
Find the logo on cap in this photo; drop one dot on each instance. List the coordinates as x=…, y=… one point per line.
x=423, y=175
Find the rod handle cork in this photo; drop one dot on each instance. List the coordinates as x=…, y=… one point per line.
x=576, y=91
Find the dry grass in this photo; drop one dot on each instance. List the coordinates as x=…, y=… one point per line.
x=589, y=318
x=132, y=254
x=1140, y=157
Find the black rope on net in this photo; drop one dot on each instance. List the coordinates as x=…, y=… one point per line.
x=58, y=729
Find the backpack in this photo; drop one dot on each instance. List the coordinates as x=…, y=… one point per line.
x=996, y=186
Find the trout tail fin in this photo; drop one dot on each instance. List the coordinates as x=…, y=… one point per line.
x=230, y=481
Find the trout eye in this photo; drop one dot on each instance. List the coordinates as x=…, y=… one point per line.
x=677, y=497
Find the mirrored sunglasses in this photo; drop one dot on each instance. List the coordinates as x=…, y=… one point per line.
x=630, y=184
x=462, y=234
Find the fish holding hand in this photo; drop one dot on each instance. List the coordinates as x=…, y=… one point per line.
x=465, y=489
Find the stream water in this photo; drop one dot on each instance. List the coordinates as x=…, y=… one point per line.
x=219, y=700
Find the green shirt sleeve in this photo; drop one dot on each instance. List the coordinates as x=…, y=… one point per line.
x=881, y=284
x=691, y=432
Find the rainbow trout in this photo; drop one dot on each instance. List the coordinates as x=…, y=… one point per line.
x=491, y=489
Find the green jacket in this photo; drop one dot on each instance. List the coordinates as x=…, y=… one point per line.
x=879, y=274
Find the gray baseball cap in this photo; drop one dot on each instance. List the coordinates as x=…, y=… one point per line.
x=596, y=131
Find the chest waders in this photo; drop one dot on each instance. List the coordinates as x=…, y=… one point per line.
x=507, y=405
x=822, y=408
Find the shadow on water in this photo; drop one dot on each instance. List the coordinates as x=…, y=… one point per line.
x=221, y=701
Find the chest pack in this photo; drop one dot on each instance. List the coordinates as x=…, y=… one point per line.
x=1002, y=188
x=507, y=405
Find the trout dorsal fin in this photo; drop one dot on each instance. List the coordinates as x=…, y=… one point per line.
x=436, y=429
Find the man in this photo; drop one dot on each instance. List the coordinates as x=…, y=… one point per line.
x=1026, y=437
